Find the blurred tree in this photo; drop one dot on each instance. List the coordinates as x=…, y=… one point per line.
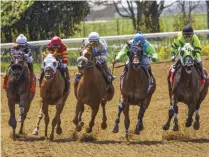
x=207, y=4
x=42, y=19
x=136, y=9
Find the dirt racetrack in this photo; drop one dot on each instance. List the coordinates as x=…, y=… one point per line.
x=152, y=142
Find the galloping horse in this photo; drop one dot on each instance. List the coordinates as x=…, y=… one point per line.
x=187, y=88
x=134, y=90
x=18, y=90
x=91, y=90
x=52, y=93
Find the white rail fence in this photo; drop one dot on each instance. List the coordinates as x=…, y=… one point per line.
x=110, y=38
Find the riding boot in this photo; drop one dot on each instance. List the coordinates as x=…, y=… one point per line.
x=67, y=79
x=151, y=80
x=21, y=115
x=173, y=70
x=107, y=73
x=41, y=77
x=203, y=75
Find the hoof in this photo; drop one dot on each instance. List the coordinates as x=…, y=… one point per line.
x=78, y=128
x=115, y=129
x=176, y=128
x=88, y=130
x=166, y=127
x=81, y=124
x=196, y=125
x=35, y=132
x=59, y=130
x=188, y=123
x=137, y=131
x=104, y=125
x=75, y=122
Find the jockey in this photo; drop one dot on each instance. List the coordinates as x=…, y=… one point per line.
x=56, y=44
x=22, y=44
x=186, y=36
x=148, y=52
x=100, y=53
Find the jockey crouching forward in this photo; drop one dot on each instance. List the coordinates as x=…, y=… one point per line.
x=57, y=45
x=187, y=36
x=22, y=44
x=100, y=53
x=147, y=54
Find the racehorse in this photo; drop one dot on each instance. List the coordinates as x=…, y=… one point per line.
x=18, y=89
x=92, y=90
x=186, y=88
x=134, y=90
x=52, y=93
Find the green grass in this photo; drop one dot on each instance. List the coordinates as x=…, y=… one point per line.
x=121, y=26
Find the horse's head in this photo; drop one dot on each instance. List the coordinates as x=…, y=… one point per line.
x=49, y=66
x=85, y=60
x=17, y=63
x=187, y=57
x=135, y=54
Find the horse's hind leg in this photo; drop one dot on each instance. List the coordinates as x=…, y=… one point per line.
x=104, y=117
x=40, y=116
x=93, y=115
x=12, y=120
x=170, y=113
x=117, y=121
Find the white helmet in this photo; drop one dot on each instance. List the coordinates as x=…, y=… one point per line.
x=21, y=40
x=93, y=36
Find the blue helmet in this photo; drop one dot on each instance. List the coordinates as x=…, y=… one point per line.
x=138, y=38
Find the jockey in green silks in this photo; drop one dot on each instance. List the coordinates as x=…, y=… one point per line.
x=187, y=36
x=149, y=54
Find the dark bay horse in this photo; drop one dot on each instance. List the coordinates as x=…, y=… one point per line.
x=52, y=93
x=92, y=90
x=187, y=89
x=134, y=90
x=18, y=90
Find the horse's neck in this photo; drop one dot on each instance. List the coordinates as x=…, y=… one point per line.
x=89, y=73
x=133, y=74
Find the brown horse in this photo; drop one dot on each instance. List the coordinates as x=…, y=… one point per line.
x=18, y=90
x=92, y=90
x=52, y=93
x=134, y=90
x=186, y=88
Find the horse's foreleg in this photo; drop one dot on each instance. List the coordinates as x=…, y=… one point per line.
x=46, y=117
x=59, y=129
x=176, y=126
x=80, y=123
x=196, y=125
x=127, y=120
x=170, y=113
x=12, y=120
x=117, y=121
x=139, y=125
x=191, y=111
x=104, y=117
x=40, y=116
x=77, y=112
x=93, y=115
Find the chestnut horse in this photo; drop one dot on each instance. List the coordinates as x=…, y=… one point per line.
x=92, y=90
x=187, y=88
x=52, y=93
x=18, y=90
x=134, y=90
